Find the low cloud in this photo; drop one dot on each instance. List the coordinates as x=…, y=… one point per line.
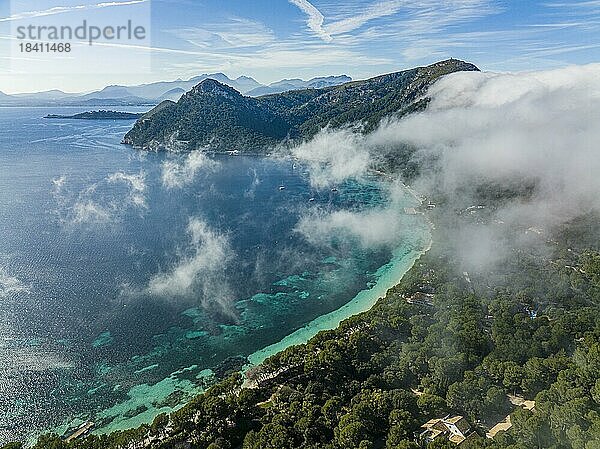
x=250, y=192
x=59, y=183
x=200, y=271
x=333, y=156
x=99, y=203
x=90, y=212
x=535, y=131
x=181, y=172
x=11, y=285
x=373, y=228
x=137, y=185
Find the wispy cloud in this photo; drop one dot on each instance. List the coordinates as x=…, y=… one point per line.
x=66, y=9
x=180, y=172
x=201, y=271
x=11, y=285
x=575, y=4
x=285, y=57
x=422, y=15
x=87, y=211
x=230, y=34
x=251, y=191
x=375, y=11
x=314, y=19
x=137, y=184
x=100, y=203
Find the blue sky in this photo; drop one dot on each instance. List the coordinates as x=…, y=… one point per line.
x=274, y=39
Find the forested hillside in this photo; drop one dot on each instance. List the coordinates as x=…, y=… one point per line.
x=217, y=117
x=443, y=342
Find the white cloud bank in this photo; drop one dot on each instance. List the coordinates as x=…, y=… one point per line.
x=539, y=126
x=540, y=129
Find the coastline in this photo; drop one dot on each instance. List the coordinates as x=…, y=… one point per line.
x=389, y=276
x=362, y=302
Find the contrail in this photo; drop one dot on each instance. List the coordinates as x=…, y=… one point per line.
x=65, y=9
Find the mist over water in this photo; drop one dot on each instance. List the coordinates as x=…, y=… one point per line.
x=128, y=280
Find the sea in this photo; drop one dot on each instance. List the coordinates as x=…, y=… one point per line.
x=130, y=281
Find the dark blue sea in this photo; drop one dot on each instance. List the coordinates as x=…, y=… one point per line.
x=129, y=281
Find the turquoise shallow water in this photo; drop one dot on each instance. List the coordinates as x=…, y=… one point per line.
x=130, y=281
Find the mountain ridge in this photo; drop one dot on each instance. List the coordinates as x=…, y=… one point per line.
x=152, y=93
x=237, y=122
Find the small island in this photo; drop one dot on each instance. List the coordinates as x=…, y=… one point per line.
x=98, y=115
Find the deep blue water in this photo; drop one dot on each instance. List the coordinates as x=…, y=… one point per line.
x=122, y=293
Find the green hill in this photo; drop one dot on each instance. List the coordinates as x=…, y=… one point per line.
x=215, y=116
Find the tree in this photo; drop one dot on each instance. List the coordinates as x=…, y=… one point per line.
x=350, y=433
x=13, y=446
x=431, y=405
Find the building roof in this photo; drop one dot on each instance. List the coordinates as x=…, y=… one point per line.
x=454, y=419
x=457, y=428
x=502, y=426
x=460, y=422
x=519, y=401
x=456, y=439
x=430, y=423
x=528, y=405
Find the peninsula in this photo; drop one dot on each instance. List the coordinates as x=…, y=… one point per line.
x=97, y=115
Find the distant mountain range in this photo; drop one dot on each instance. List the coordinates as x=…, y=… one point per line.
x=154, y=93
x=216, y=116
x=296, y=84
